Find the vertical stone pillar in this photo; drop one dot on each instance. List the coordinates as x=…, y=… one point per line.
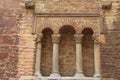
x=96, y=39
x=79, y=70
x=38, y=55
x=55, y=41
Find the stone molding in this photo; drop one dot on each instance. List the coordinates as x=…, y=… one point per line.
x=80, y=14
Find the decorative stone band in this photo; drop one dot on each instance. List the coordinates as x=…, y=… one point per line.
x=78, y=38
x=55, y=38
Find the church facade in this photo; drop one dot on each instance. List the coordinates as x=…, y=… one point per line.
x=60, y=40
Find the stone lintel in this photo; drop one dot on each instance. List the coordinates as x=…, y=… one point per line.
x=80, y=14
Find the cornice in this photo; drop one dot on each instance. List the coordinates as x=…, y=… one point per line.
x=70, y=14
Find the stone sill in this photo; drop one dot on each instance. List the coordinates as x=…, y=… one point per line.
x=57, y=78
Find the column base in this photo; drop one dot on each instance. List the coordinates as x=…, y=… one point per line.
x=97, y=75
x=55, y=75
x=38, y=74
x=79, y=75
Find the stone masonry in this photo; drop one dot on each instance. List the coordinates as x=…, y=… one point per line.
x=45, y=40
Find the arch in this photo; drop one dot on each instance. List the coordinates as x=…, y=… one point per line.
x=46, y=28
x=57, y=24
x=67, y=27
x=67, y=51
x=87, y=24
x=88, y=52
x=46, y=52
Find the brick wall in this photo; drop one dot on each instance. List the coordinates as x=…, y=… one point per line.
x=16, y=41
x=8, y=39
x=17, y=45
x=110, y=50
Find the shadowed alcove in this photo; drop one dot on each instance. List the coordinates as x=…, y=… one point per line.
x=67, y=51
x=88, y=52
x=46, y=52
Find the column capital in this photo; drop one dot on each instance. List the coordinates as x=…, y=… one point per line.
x=39, y=37
x=55, y=38
x=78, y=38
x=96, y=38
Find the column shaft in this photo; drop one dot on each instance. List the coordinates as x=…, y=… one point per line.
x=55, y=58
x=97, y=55
x=55, y=70
x=97, y=58
x=38, y=56
x=78, y=58
x=79, y=70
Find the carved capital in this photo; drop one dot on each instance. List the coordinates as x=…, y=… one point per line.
x=96, y=38
x=38, y=38
x=55, y=38
x=78, y=38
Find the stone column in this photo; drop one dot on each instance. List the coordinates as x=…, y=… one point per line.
x=38, y=55
x=96, y=39
x=79, y=70
x=55, y=41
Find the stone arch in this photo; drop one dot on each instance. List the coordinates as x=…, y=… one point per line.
x=87, y=24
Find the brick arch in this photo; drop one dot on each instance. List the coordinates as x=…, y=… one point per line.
x=47, y=25
x=87, y=24
x=47, y=28
x=57, y=24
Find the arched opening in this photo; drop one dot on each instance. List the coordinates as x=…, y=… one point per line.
x=67, y=51
x=88, y=52
x=46, y=52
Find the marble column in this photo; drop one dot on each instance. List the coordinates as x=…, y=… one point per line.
x=38, y=55
x=78, y=41
x=96, y=39
x=55, y=64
